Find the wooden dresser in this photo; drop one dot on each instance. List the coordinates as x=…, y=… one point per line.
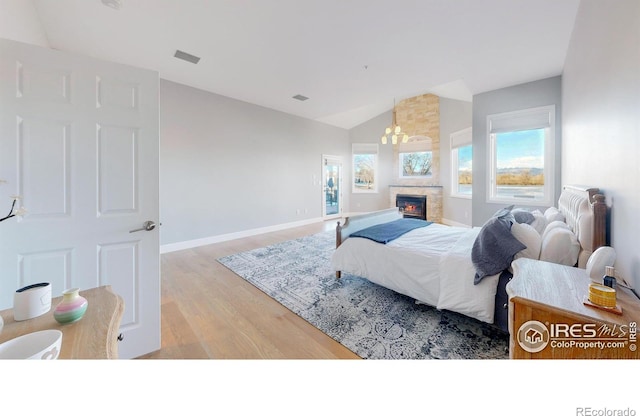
x=548, y=317
x=95, y=336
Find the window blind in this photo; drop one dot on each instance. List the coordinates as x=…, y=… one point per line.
x=534, y=118
x=461, y=138
x=364, y=148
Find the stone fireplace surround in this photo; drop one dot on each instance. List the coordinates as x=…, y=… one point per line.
x=420, y=116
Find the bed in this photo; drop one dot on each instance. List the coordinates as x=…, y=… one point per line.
x=443, y=266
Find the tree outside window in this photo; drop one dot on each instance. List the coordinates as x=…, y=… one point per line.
x=365, y=167
x=415, y=164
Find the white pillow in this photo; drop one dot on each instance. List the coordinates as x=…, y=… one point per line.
x=553, y=214
x=540, y=221
x=560, y=246
x=553, y=225
x=528, y=236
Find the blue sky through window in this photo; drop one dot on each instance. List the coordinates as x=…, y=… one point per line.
x=465, y=156
x=520, y=149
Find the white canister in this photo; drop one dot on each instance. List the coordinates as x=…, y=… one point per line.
x=32, y=301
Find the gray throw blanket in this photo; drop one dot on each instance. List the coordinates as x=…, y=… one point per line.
x=494, y=248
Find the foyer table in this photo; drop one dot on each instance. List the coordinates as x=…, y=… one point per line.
x=95, y=336
x=549, y=319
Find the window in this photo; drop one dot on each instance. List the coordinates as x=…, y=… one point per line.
x=461, y=163
x=415, y=164
x=365, y=167
x=415, y=158
x=521, y=156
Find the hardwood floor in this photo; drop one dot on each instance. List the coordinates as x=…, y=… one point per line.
x=210, y=312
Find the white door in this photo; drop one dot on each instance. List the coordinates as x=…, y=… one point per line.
x=79, y=141
x=332, y=186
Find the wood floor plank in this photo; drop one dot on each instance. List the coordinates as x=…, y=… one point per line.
x=210, y=312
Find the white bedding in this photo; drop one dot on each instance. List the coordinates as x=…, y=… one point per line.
x=430, y=264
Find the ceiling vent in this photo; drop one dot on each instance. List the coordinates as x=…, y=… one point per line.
x=186, y=57
x=300, y=97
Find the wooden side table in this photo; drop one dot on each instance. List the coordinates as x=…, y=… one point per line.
x=95, y=336
x=548, y=317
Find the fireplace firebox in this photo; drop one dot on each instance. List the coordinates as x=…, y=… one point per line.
x=412, y=206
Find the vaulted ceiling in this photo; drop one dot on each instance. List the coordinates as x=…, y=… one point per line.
x=351, y=58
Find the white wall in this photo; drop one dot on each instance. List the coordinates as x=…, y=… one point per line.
x=229, y=167
x=601, y=116
x=19, y=21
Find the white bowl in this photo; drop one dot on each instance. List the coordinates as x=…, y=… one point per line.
x=40, y=345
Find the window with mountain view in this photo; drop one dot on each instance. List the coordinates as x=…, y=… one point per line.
x=461, y=163
x=521, y=156
x=462, y=158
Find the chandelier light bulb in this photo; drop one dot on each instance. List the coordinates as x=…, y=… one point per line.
x=394, y=130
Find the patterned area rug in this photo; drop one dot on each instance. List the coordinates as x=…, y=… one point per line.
x=372, y=321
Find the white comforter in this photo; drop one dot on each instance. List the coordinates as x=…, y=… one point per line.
x=430, y=264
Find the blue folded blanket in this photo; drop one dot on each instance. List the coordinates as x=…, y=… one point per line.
x=389, y=231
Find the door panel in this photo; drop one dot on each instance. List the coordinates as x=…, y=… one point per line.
x=332, y=189
x=79, y=141
x=113, y=94
x=117, y=267
x=44, y=166
x=42, y=84
x=117, y=167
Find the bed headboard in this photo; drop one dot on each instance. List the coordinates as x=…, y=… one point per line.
x=585, y=213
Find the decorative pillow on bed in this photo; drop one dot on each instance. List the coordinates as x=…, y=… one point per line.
x=504, y=213
x=553, y=225
x=540, y=221
x=523, y=216
x=560, y=246
x=494, y=247
x=528, y=236
x=553, y=214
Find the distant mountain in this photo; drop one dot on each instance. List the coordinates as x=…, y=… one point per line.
x=516, y=171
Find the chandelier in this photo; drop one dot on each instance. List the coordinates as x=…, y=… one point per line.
x=394, y=131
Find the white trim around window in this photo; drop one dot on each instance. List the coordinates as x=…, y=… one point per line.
x=459, y=139
x=509, y=126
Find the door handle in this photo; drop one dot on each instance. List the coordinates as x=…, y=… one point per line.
x=147, y=226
